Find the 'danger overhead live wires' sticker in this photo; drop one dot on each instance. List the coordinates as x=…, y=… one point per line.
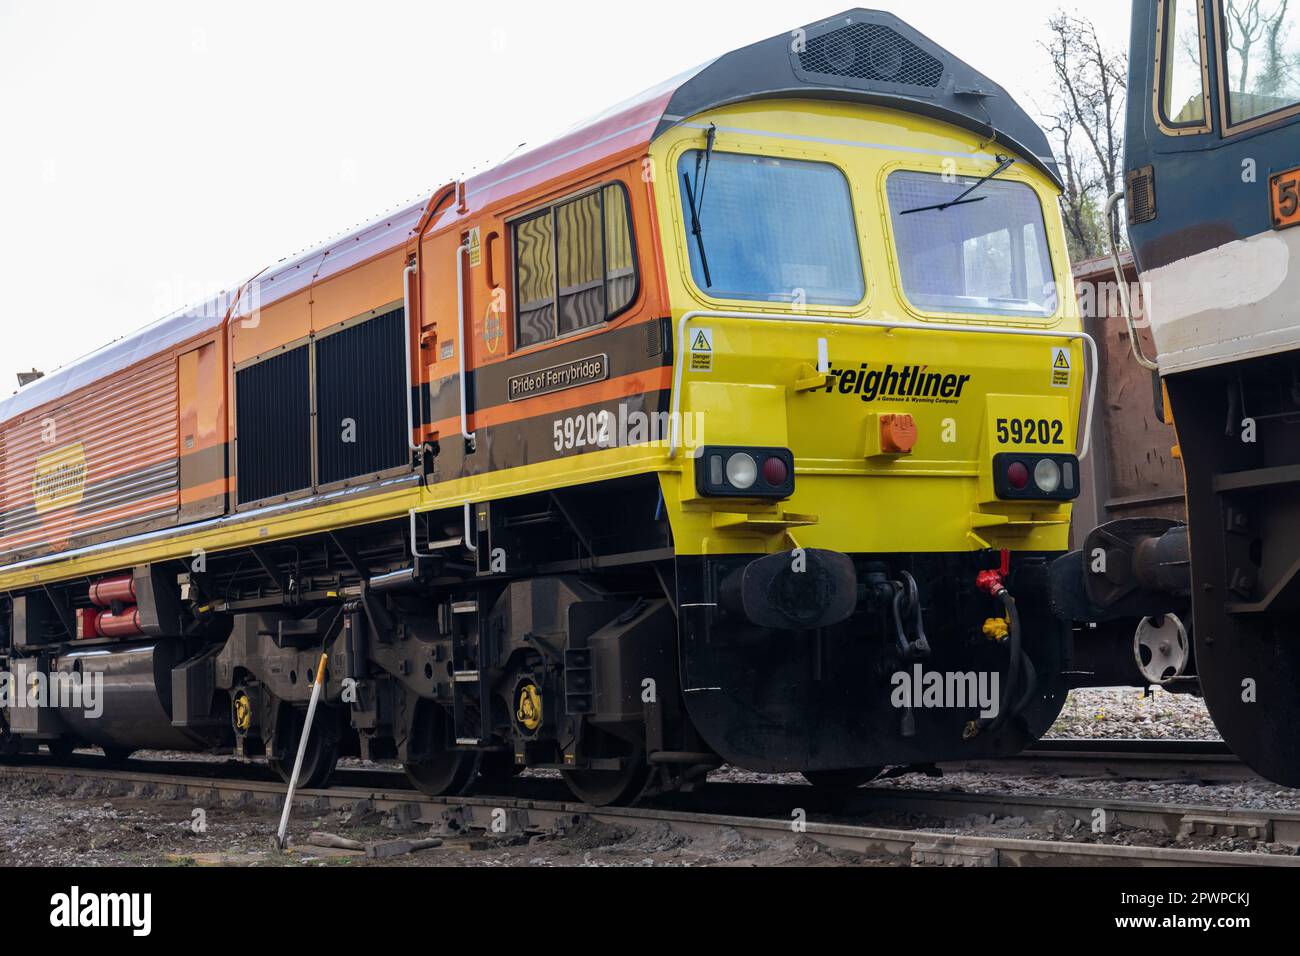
x=1060, y=368
x=702, y=350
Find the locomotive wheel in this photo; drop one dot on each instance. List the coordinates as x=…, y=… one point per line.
x=9, y=744
x=61, y=748
x=117, y=755
x=322, y=751
x=496, y=770
x=841, y=779
x=440, y=770
x=603, y=788
x=450, y=773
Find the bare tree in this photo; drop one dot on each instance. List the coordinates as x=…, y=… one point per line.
x=1246, y=25
x=1086, y=120
x=1080, y=227
x=1250, y=23
x=1277, y=68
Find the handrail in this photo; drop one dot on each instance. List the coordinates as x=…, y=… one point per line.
x=466, y=543
x=470, y=444
x=412, y=328
x=679, y=364
x=1134, y=342
x=462, y=346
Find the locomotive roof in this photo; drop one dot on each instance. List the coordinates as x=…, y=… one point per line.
x=860, y=55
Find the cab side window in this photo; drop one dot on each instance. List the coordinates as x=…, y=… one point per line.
x=575, y=265
x=1261, y=46
x=1182, y=93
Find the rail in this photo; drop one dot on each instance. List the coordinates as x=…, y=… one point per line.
x=760, y=811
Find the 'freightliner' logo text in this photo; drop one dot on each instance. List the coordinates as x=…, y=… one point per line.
x=909, y=383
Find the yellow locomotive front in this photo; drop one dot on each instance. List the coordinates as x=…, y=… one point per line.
x=877, y=419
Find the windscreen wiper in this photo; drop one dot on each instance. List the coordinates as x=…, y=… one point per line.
x=1004, y=163
x=697, y=203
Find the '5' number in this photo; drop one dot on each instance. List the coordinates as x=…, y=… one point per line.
x=1288, y=198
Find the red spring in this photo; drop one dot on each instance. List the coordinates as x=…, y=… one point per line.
x=126, y=624
x=107, y=590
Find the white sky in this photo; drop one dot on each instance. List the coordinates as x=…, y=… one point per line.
x=155, y=152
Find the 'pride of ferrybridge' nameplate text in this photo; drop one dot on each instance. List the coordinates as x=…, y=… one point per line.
x=559, y=377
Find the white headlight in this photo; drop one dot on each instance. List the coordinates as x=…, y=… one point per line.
x=742, y=471
x=1047, y=476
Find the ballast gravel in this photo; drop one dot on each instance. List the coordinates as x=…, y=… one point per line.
x=46, y=822
x=1129, y=712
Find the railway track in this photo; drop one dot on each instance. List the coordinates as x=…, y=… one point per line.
x=1187, y=761
x=760, y=811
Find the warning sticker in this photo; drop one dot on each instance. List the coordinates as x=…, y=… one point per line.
x=702, y=350
x=1060, y=368
x=475, y=248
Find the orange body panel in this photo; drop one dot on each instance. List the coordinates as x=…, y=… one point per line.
x=149, y=443
x=358, y=290
x=106, y=460
x=273, y=325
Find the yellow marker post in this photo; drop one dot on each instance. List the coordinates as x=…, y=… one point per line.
x=279, y=840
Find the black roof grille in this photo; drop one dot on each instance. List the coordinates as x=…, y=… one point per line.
x=869, y=51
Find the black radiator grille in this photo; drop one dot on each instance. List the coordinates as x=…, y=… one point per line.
x=360, y=386
x=273, y=416
x=868, y=51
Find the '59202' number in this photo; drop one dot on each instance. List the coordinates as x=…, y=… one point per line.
x=1031, y=431
x=583, y=431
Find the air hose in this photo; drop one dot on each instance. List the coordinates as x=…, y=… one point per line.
x=991, y=582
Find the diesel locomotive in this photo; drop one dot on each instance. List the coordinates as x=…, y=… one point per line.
x=1213, y=198
x=739, y=424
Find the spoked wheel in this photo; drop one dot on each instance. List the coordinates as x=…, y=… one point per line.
x=439, y=770
x=605, y=787
x=322, y=750
x=841, y=779
x=116, y=755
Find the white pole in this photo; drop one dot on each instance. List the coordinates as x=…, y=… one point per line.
x=302, y=750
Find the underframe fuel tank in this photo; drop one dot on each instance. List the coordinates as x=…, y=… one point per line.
x=135, y=696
